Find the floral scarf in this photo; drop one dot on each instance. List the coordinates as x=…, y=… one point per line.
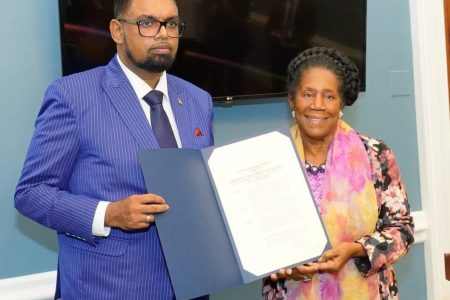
x=350, y=211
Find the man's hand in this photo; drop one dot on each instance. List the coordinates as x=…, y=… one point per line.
x=134, y=212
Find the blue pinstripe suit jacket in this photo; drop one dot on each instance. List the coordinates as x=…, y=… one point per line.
x=85, y=149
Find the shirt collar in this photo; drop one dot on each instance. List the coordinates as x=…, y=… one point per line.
x=140, y=87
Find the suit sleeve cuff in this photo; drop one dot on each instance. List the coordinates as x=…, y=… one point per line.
x=98, y=225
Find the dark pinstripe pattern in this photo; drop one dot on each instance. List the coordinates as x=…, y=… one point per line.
x=85, y=149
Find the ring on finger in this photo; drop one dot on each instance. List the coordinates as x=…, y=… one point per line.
x=306, y=278
x=147, y=217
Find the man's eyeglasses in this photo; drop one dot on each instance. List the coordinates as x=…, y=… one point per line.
x=151, y=27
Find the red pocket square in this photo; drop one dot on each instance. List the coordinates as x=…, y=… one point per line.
x=198, y=132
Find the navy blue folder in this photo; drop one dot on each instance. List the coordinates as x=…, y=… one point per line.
x=198, y=250
x=195, y=242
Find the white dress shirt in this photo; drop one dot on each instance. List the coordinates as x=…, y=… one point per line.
x=141, y=88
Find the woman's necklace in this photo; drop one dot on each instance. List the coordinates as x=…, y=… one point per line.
x=314, y=170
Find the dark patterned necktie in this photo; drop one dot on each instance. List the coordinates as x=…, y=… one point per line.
x=160, y=123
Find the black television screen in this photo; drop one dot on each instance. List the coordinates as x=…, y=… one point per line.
x=234, y=49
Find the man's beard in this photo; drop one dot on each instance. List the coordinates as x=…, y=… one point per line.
x=157, y=64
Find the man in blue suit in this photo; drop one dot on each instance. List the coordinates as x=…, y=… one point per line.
x=82, y=176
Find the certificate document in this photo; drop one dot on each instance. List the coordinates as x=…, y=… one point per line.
x=266, y=203
x=238, y=212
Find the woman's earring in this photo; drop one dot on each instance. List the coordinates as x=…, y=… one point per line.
x=341, y=114
x=293, y=114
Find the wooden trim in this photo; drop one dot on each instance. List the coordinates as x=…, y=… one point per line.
x=447, y=265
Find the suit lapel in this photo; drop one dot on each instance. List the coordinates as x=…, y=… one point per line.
x=181, y=106
x=124, y=99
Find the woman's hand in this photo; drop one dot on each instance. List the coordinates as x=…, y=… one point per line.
x=334, y=259
x=303, y=272
x=331, y=261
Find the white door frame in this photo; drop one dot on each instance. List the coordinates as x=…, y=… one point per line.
x=433, y=133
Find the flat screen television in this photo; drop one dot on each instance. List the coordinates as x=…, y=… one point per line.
x=234, y=49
